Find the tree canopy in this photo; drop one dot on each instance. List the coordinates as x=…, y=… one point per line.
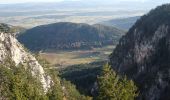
x=114, y=87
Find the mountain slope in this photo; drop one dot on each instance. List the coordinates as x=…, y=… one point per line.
x=64, y=35
x=11, y=48
x=23, y=77
x=122, y=23
x=144, y=54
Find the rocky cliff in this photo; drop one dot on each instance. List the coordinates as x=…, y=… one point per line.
x=11, y=48
x=143, y=54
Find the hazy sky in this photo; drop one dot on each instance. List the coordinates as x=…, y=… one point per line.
x=22, y=1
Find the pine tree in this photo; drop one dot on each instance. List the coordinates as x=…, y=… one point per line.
x=17, y=83
x=56, y=92
x=113, y=87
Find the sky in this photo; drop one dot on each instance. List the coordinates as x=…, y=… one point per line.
x=23, y=1
x=157, y=2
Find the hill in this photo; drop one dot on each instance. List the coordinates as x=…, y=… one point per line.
x=143, y=54
x=122, y=23
x=66, y=36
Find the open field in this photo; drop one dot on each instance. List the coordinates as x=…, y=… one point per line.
x=32, y=20
x=67, y=58
x=35, y=14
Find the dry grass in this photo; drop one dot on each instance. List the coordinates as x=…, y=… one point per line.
x=66, y=58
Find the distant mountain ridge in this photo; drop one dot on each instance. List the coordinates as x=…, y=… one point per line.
x=65, y=35
x=122, y=23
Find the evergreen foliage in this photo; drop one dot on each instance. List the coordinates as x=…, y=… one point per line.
x=17, y=83
x=71, y=93
x=83, y=75
x=114, y=87
x=4, y=28
x=56, y=92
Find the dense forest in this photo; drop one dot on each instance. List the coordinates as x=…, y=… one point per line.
x=83, y=76
x=65, y=35
x=17, y=83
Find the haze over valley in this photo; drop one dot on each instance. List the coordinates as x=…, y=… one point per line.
x=90, y=12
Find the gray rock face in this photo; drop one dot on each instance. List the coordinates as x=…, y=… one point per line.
x=10, y=47
x=143, y=54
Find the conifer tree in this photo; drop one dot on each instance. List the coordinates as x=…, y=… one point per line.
x=114, y=87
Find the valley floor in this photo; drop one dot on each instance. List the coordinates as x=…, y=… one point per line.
x=68, y=58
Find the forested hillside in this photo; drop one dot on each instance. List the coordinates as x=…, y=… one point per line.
x=64, y=36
